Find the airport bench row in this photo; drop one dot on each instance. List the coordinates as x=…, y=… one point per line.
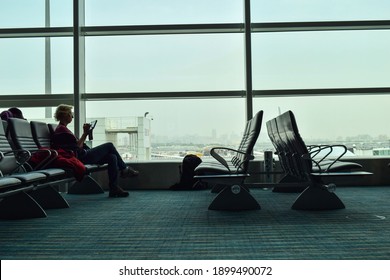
x=29, y=187
x=308, y=166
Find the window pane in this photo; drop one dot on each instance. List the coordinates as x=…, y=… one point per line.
x=22, y=13
x=27, y=13
x=61, y=13
x=165, y=63
x=22, y=66
x=176, y=126
x=319, y=10
x=356, y=121
x=150, y=12
x=62, y=65
x=321, y=59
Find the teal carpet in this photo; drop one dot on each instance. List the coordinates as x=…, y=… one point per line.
x=177, y=225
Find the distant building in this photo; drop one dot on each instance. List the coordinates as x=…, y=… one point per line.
x=131, y=135
x=381, y=151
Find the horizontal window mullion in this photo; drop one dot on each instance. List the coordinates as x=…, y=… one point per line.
x=161, y=29
x=36, y=32
x=194, y=28
x=164, y=95
x=321, y=92
x=54, y=99
x=35, y=100
x=320, y=26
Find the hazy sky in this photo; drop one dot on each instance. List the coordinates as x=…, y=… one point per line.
x=211, y=62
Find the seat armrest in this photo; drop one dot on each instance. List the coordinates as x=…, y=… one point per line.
x=220, y=159
x=223, y=161
x=21, y=157
x=317, y=149
x=42, y=157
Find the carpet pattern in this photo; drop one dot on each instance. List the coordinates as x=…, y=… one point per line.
x=158, y=224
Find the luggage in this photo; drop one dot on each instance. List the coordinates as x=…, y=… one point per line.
x=187, y=172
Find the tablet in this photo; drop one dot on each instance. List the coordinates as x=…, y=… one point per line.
x=93, y=124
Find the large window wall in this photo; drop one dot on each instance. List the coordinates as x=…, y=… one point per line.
x=183, y=65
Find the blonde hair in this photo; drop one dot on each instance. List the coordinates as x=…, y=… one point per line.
x=62, y=111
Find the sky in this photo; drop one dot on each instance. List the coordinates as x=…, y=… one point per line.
x=211, y=62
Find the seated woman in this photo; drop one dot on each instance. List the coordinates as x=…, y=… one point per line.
x=102, y=154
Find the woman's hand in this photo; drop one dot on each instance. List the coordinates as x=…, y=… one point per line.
x=86, y=128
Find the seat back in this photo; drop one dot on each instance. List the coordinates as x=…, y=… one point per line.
x=8, y=163
x=271, y=134
x=41, y=134
x=52, y=127
x=237, y=158
x=292, y=132
x=248, y=141
x=289, y=150
x=281, y=150
x=5, y=126
x=21, y=134
x=300, y=156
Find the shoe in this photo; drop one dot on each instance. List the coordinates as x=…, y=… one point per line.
x=129, y=172
x=118, y=192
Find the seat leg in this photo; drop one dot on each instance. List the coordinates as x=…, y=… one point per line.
x=289, y=189
x=20, y=206
x=317, y=198
x=49, y=198
x=87, y=186
x=234, y=198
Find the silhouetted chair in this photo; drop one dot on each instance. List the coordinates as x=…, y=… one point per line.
x=307, y=168
x=231, y=173
x=325, y=157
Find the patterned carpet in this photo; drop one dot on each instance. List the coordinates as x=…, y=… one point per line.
x=177, y=225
